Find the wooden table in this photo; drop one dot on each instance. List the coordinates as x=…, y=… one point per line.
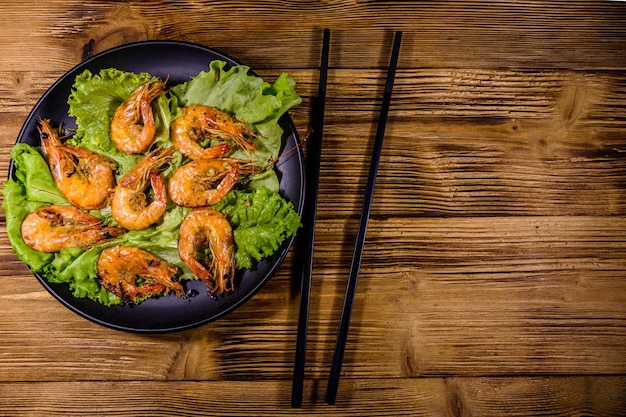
x=493, y=279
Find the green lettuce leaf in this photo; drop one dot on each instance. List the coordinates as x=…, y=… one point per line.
x=93, y=101
x=261, y=221
x=31, y=170
x=16, y=208
x=261, y=218
x=161, y=240
x=235, y=91
x=248, y=98
x=78, y=268
x=31, y=188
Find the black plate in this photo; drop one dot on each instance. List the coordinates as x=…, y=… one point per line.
x=180, y=61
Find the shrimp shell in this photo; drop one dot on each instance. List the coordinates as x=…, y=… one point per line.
x=54, y=227
x=132, y=128
x=207, y=228
x=203, y=182
x=132, y=273
x=86, y=179
x=130, y=206
x=199, y=122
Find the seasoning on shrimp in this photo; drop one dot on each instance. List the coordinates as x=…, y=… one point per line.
x=86, y=179
x=207, y=228
x=203, y=182
x=198, y=123
x=132, y=205
x=132, y=128
x=132, y=273
x=54, y=227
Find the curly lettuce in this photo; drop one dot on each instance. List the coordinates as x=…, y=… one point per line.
x=248, y=98
x=31, y=188
x=93, y=101
x=260, y=217
x=261, y=221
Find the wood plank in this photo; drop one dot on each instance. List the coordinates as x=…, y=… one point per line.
x=493, y=274
x=601, y=396
x=490, y=34
x=464, y=296
x=460, y=142
x=482, y=143
x=68, y=344
x=474, y=295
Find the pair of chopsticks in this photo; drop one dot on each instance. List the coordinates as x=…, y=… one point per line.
x=309, y=219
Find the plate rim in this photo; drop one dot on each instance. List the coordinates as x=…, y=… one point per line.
x=280, y=254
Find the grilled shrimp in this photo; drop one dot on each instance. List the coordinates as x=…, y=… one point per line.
x=203, y=122
x=54, y=227
x=203, y=182
x=132, y=127
x=131, y=206
x=207, y=228
x=132, y=273
x=86, y=179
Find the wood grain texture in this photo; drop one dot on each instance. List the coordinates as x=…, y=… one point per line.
x=477, y=296
x=580, y=35
x=451, y=397
x=493, y=274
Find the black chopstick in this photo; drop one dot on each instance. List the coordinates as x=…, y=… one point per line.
x=308, y=220
x=333, y=380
